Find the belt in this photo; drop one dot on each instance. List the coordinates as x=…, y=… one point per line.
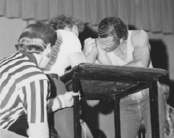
x=138, y=95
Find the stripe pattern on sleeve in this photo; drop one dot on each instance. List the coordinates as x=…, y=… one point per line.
x=23, y=90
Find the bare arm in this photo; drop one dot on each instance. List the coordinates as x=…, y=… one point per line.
x=61, y=101
x=90, y=50
x=141, y=54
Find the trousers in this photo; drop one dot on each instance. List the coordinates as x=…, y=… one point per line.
x=135, y=112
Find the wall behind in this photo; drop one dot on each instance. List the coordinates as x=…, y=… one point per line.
x=10, y=29
x=162, y=48
x=163, y=51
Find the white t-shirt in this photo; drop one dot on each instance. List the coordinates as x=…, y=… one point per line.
x=70, y=44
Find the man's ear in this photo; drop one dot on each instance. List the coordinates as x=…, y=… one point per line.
x=122, y=40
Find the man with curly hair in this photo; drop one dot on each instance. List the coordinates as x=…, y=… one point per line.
x=69, y=55
x=70, y=49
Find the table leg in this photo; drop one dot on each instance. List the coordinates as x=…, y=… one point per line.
x=117, y=117
x=154, y=111
x=77, y=127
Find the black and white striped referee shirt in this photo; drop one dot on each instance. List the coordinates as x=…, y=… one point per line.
x=23, y=90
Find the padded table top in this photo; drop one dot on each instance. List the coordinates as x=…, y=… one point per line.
x=107, y=80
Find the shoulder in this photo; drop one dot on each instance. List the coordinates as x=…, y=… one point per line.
x=70, y=42
x=69, y=39
x=67, y=34
x=34, y=74
x=37, y=74
x=140, y=33
x=139, y=38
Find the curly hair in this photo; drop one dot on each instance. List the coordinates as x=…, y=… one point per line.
x=63, y=21
x=112, y=26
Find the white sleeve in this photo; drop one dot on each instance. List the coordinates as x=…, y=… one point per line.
x=72, y=43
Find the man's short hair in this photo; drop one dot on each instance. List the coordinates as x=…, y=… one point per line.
x=36, y=36
x=112, y=26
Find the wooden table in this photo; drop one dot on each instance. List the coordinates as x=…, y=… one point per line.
x=104, y=82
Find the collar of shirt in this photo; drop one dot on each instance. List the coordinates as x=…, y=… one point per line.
x=30, y=56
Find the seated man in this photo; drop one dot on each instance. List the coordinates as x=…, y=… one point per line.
x=70, y=50
x=116, y=45
x=68, y=54
x=25, y=88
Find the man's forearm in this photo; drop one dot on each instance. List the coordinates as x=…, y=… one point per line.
x=90, y=59
x=137, y=63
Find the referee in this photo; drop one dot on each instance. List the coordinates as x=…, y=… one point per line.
x=24, y=88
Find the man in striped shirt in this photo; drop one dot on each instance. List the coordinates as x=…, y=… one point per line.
x=24, y=88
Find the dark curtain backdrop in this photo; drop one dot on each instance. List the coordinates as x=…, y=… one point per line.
x=150, y=15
